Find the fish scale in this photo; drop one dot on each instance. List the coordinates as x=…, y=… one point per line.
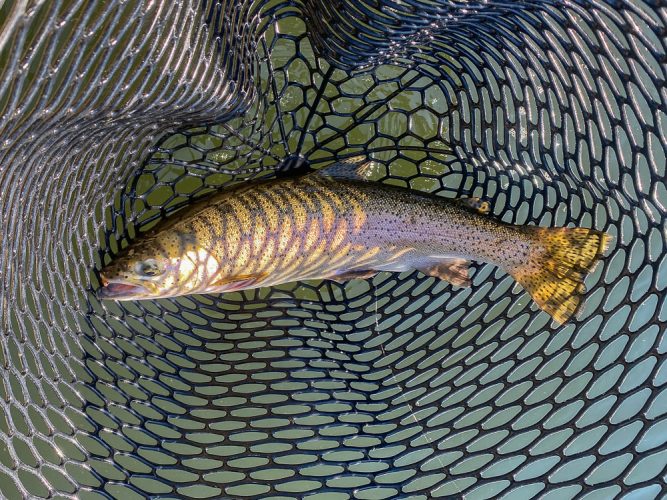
x=336, y=224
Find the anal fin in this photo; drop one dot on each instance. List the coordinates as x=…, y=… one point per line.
x=353, y=275
x=455, y=271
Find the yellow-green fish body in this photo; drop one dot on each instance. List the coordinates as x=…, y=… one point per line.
x=338, y=226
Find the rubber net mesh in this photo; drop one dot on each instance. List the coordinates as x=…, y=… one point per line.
x=114, y=113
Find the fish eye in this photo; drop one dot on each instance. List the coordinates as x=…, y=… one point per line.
x=149, y=267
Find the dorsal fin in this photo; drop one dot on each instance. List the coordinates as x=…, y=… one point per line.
x=356, y=168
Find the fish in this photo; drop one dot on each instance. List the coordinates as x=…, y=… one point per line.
x=337, y=224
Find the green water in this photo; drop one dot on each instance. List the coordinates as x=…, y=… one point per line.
x=384, y=103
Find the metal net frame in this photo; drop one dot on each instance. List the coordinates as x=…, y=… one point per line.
x=115, y=114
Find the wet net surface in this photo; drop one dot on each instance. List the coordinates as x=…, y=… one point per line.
x=395, y=387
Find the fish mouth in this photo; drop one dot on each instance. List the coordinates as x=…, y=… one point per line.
x=113, y=290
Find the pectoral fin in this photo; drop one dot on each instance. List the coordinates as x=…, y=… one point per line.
x=455, y=271
x=235, y=283
x=353, y=275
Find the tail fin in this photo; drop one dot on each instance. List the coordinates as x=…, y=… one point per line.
x=554, y=277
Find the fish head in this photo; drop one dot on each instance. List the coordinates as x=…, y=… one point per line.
x=151, y=269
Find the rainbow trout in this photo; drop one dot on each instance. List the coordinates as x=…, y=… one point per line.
x=335, y=224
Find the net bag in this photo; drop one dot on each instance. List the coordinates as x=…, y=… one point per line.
x=114, y=114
